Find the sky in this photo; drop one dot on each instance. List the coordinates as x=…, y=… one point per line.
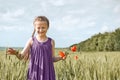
x=71, y=21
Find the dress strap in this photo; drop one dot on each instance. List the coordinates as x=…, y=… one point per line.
x=33, y=38
x=50, y=39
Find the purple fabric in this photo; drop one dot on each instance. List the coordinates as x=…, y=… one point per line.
x=41, y=62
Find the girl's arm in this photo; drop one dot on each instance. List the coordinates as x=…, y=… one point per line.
x=24, y=53
x=55, y=59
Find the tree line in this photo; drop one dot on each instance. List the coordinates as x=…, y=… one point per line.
x=108, y=41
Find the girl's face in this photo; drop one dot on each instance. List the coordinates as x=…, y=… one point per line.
x=41, y=27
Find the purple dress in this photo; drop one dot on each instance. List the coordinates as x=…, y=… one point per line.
x=41, y=62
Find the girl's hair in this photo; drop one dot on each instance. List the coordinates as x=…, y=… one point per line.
x=40, y=18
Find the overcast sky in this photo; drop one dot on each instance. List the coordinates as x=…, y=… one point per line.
x=71, y=21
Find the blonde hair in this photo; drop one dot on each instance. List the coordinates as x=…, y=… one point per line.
x=40, y=18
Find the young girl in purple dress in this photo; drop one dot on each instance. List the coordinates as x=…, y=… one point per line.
x=40, y=51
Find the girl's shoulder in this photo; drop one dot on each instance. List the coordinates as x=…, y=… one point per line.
x=52, y=41
x=30, y=40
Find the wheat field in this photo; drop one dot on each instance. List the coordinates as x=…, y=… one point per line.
x=87, y=66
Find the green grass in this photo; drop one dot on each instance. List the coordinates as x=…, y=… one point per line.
x=89, y=66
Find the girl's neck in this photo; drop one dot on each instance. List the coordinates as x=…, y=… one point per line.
x=41, y=38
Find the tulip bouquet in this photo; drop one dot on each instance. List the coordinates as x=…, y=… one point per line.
x=64, y=54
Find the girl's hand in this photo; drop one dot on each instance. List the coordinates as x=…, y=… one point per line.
x=63, y=55
x=63, y=58
x=11, y=51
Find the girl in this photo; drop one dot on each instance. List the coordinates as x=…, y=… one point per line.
x=40, y=49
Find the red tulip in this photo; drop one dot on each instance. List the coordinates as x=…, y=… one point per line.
x=75, y=57
x=62, y=54
x=11, y=51
x=73, y=48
